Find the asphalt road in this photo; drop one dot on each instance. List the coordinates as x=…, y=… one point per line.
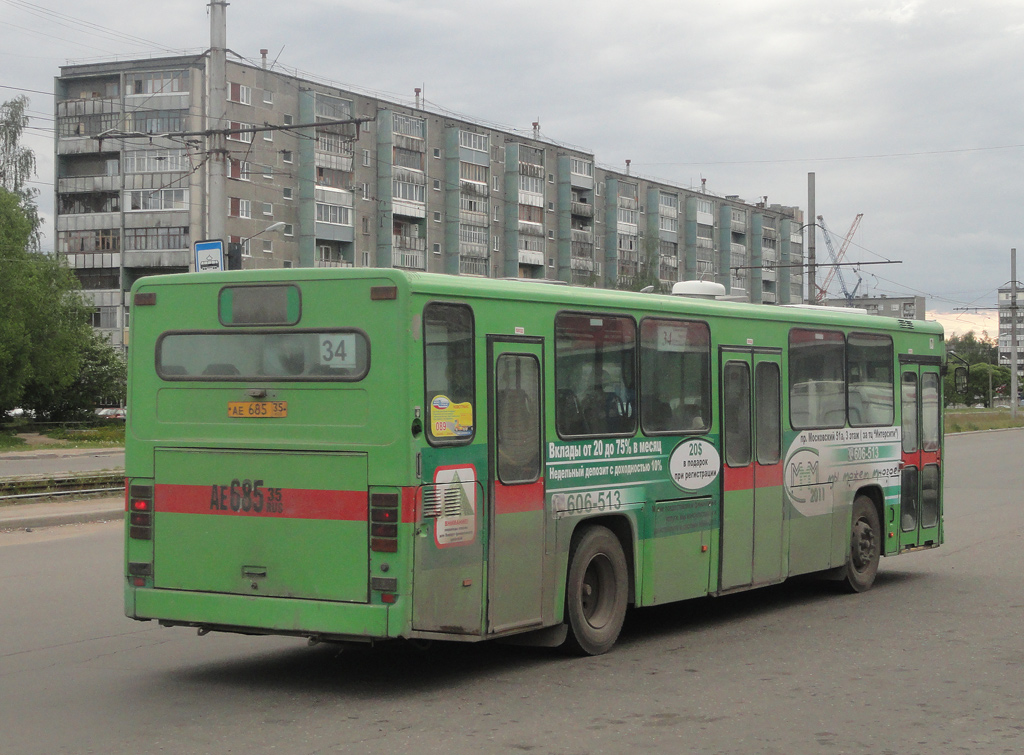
x=929, y=661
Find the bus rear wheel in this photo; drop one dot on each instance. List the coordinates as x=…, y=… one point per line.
x=865, y=546
x=596, y=591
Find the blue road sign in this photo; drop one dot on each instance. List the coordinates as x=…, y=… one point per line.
x=209, y=255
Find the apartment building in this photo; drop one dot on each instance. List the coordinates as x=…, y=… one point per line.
x=902, y=307
x=1006, y=315
x=394, y=185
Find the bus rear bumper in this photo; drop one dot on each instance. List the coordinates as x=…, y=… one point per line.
x=247, y=614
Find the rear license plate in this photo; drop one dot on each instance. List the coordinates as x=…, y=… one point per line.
x=257, y=409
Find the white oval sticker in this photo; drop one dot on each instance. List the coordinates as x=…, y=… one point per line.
x=694, y=464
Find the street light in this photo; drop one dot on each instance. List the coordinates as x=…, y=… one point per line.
x=235, y=248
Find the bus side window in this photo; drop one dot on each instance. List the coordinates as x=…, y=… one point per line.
x=817, y=379
x=675, y=377
x=449, y=373
x=595, y=374
x=869, y=379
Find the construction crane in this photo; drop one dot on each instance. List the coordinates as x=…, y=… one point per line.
x=837, y=257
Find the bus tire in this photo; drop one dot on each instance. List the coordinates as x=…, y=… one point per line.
x=865, y=546
x=596, y=591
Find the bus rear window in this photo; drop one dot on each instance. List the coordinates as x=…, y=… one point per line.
x=260, y=356
x=259, y=305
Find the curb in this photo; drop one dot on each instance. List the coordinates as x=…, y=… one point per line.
x=31, y=515
x=56, y=520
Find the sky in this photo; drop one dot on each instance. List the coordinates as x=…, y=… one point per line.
x=909, y=112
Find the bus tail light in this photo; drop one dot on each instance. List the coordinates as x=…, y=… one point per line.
x=140, y=512
x=384, y=522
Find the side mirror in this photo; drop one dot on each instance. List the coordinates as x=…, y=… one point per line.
x=960, y=379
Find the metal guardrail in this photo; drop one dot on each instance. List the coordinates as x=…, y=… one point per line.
x=43, y=486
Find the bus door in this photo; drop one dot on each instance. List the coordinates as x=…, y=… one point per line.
x=753, y=546
x=516, y=495
x=921, y=407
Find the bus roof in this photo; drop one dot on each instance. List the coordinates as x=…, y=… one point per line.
x=437, y=284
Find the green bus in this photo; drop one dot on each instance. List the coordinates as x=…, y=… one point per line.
x=369, y=454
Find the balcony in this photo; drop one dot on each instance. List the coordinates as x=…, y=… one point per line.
x=703, y=243
x=582, y=209
x=531, y=229
x=331, y=263
x=531, y=258
x=473, y=265
x=582, y=263
x=409, y=243
x=472, y=188
x=582, y=236
x=468, y=217
x=768, y=297
x=410, y=260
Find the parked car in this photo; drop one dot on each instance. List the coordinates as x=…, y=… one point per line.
x=111, y=413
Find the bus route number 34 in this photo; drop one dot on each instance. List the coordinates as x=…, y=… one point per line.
x=245, y=496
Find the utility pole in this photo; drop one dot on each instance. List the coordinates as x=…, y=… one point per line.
x=812, y=284
x=1013, y=333
x=216, y=109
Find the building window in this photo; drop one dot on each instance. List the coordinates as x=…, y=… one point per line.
x=366, y=192
x=437, y=217
x=239, y=208
x=159, y=199
x=268, y=246
x=268, y=173
x=268, y=209
x=268, y=97
x=496, y=183
x=288, y=120
x=366, y=158
x=470, y=140
x=268, y=135
x=286, y=155
x=437, y=153
x=408, y=192
x=289, y=229
x=238, y=169
x=581, y=167
x=238, y=135
x=158, y=82
x=287, y=192
x=366, y=226
x=437, y=185
x=436, y=248
x=551, y=234
x=156, y=161
x=240, y=93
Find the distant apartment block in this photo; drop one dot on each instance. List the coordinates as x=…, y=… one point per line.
x=406, y=188
x=1006, y=324
x=902, y=307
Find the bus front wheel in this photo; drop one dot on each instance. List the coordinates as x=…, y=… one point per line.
x=865, y=546
x=596, y=591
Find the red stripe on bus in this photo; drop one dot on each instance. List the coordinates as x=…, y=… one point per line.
x=409, y=505
x=515, y=499
x=294, y=503
x=738, y=478
x=769, y=476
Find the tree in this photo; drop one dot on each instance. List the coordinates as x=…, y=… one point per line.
x=978, y=384
x=647, y=269
x=102, y=375
x=18, y=163
x=974, y=349
x=44, y=323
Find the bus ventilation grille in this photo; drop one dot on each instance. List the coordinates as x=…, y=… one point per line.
x=442, y=501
